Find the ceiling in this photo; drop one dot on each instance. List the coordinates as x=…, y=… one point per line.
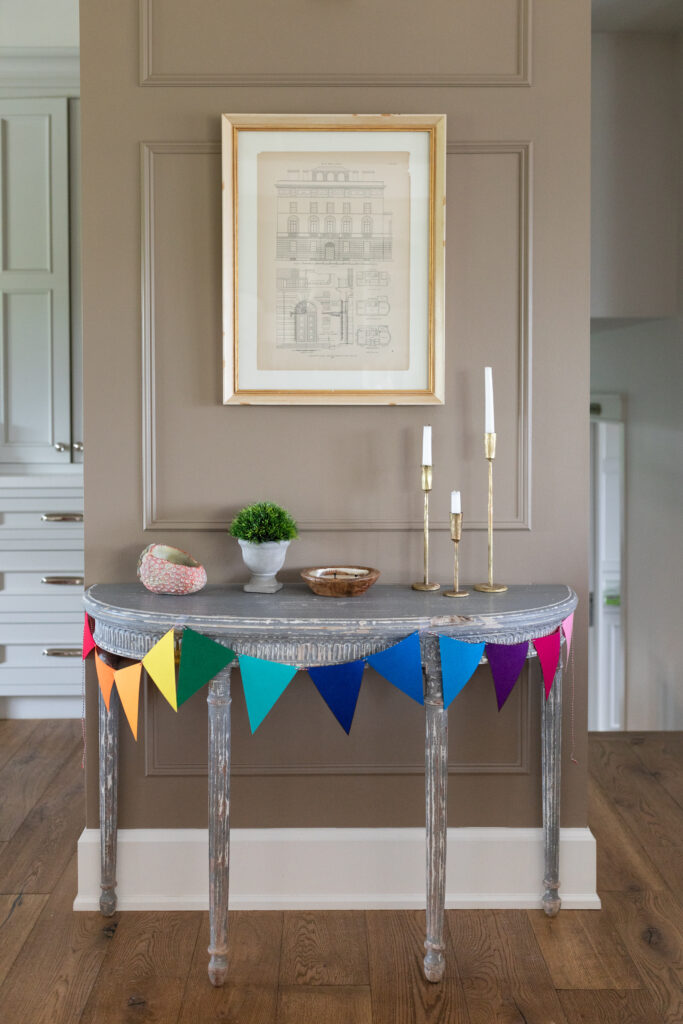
x=637, y=15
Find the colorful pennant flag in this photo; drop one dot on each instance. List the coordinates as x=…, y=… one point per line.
x=402, y=666
x=459, y=659
x=128, y=688
x=200, y=660
x=568, y=629
x=548, y=650
x=506, y=661
x=264, y=683
x=339, y=686
x=88, y=640
x=105, y=677
x=159, y=664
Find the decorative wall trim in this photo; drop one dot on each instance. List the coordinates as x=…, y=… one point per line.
x=154, y=765
x=342, y=868
x=520, y=77
x=152, y=520
x=34, y=70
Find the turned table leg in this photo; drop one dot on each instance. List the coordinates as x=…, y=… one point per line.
x=109, y=770
x=551, y=739
x=219, y=823
x=436, y=782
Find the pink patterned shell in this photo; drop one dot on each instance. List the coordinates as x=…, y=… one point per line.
x=166, y=570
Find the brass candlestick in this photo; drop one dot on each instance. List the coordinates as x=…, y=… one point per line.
x=426, y=487
x=456, y=534
x=490, y=453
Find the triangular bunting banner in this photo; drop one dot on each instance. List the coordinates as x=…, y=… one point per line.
x=264, y=683
x=200, y=660
x=339, y=686
x=88, y=640
x=128, y=688
x=159, y=664
x=548, y=649
x=105, y=677
x=506, y=661
x=458, y=662
x=568, y=629
x=402, y=666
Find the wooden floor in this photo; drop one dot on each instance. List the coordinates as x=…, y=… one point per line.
x=621, y=965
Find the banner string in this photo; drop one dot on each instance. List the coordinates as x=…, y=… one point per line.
x=83, y=712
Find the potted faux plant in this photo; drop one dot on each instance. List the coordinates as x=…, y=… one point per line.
x=264, y=531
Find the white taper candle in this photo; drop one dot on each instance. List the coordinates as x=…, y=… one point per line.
x=489, y=422
x=426, y=446
x=455, y=502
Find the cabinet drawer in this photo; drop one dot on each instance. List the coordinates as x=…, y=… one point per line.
x=45, y=592
x=42, y=562
x=27, y=628
x=41, y=523
x=30, y=658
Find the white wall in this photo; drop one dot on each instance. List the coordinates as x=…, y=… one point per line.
x=33, y=23
x=643, y=360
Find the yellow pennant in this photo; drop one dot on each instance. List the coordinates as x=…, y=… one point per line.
x=159, y=663
x=128, y=687
x=105, y=677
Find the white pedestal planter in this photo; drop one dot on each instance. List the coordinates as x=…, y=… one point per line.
x=265, y=561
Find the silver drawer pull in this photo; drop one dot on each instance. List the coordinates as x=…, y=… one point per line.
x=61, y=517
x=64, y=581
x=62, y=652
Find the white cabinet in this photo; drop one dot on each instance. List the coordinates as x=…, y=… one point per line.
x=35, y=324
x=41, y=589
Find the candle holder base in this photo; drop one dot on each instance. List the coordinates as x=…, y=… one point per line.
x=426, y=586
x=491, y=588
x=456, y=593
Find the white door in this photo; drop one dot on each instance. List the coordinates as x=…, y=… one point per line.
x=606, y=685
x=35, y=414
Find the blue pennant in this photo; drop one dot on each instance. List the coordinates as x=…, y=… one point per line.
x=459, y=659
x=264, y=682
x=339, y=686
x=402, y=666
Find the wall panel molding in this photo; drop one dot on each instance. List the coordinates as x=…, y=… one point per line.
x=151, y=76
x=526, y=715
x=154, y=518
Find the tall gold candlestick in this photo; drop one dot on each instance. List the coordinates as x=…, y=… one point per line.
x=490, y=453
x=426, y=487
x=456, y=534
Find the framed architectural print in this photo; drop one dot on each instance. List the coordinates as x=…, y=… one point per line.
x=333, y=259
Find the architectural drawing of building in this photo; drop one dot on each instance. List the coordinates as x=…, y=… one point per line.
x=332, y=214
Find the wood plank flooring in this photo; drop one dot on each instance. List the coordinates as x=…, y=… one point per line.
x=620, y=965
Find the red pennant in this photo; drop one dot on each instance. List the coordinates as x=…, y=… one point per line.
x=105, y=677
x=88, y=641
x=548, y=648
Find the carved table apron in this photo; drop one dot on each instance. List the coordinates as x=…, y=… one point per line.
x=298, y=627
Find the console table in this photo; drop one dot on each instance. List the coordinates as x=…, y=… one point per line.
x=298, y=627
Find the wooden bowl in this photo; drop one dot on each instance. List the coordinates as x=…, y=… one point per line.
x=340, y=580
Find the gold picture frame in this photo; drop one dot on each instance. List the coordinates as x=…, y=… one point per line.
x=333, y=259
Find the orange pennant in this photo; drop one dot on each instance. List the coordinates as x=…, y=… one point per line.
x=105, y=677
x=128, y=688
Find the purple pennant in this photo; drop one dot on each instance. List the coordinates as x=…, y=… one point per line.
x=506, y=661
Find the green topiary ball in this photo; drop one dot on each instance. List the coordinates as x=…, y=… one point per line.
x=263, y=522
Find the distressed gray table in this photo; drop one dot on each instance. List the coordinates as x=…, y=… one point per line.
x=297, y=627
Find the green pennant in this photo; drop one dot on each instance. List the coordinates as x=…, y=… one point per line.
x=200, y=660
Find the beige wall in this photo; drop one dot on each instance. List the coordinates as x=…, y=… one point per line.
x=167, y=454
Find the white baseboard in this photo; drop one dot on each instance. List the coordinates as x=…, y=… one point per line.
x=41, y=707
x=332, y=869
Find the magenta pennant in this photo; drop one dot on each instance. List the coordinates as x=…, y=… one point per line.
x=568, y=629
x=548, y=649
x=88, y=641
x=506, y=661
